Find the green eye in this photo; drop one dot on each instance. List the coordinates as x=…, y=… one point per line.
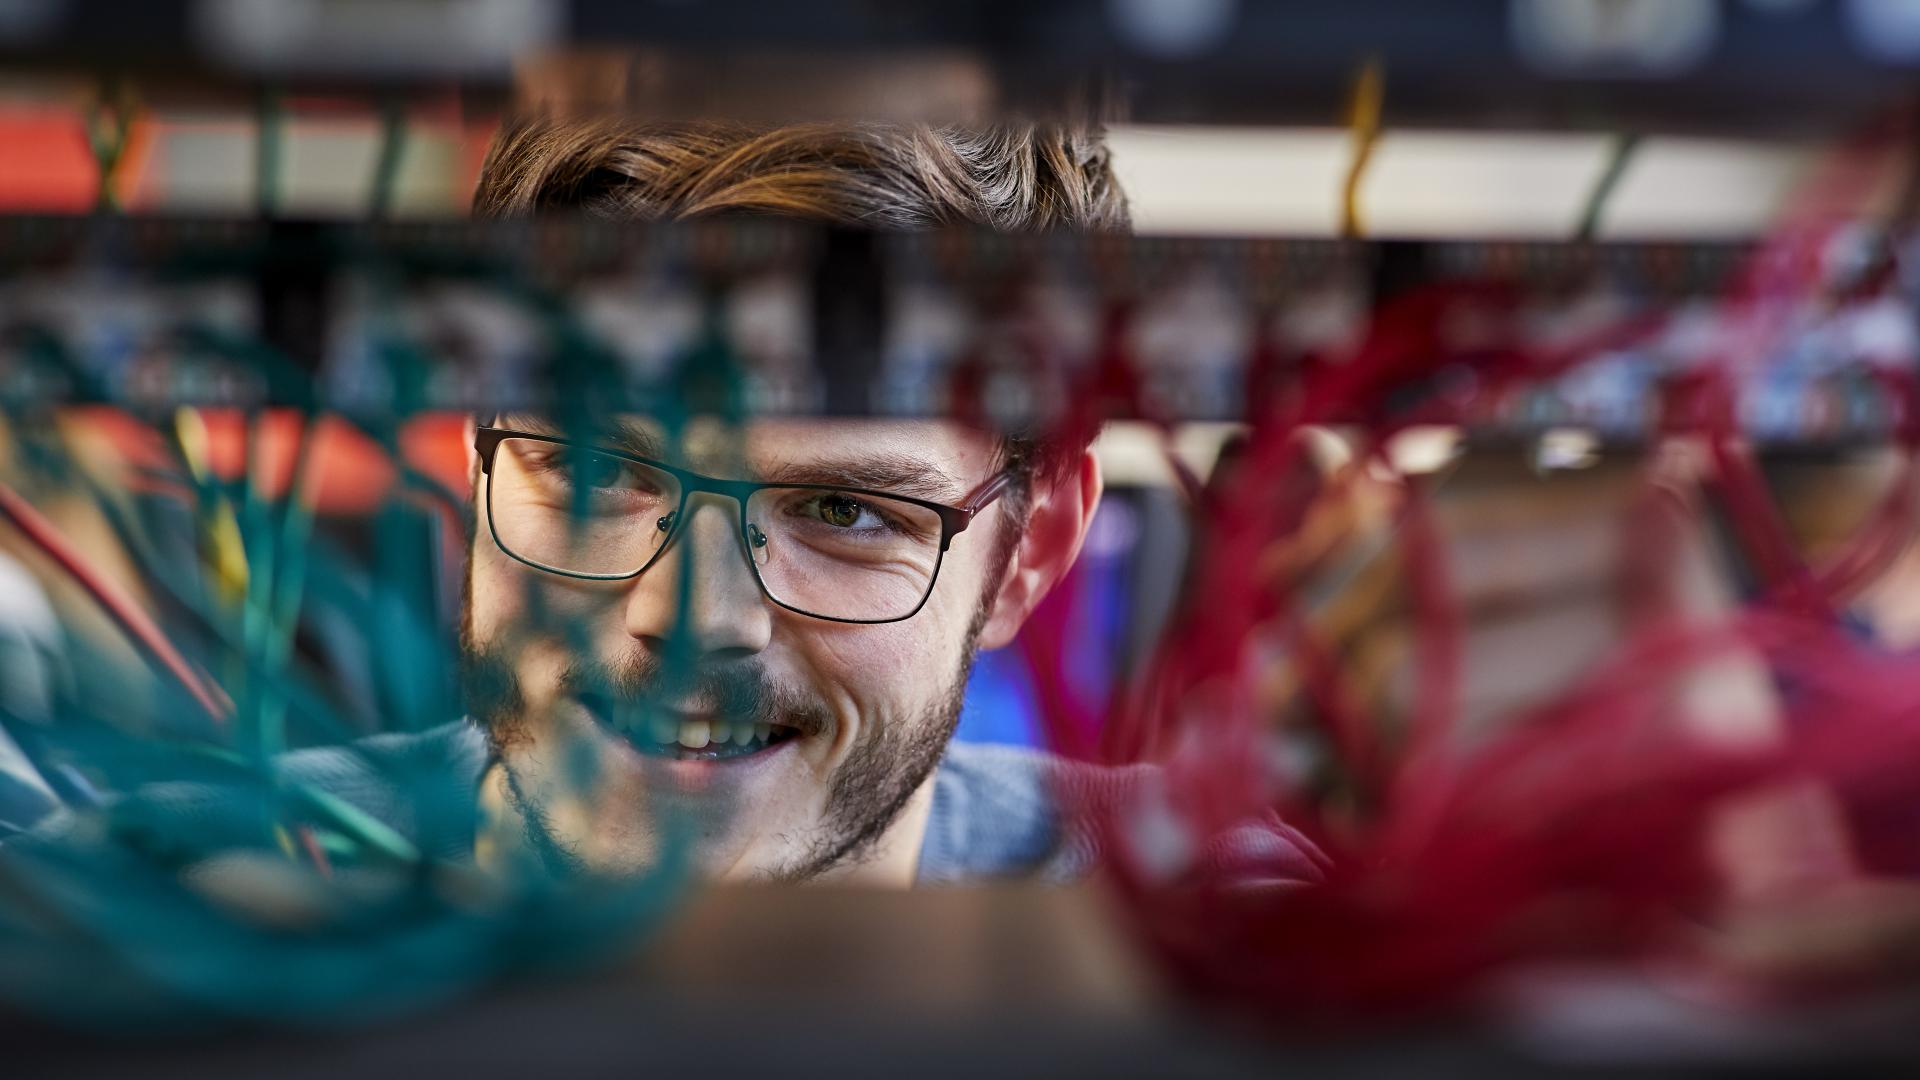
x=597, y=471
x=840, y=511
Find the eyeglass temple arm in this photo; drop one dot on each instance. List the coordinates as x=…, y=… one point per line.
x=486, y=438
x=982, y=497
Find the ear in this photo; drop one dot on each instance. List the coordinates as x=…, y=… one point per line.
x=1056, y=525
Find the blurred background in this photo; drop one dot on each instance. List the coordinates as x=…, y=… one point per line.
x=179, y=172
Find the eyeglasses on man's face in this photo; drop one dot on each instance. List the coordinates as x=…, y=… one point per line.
x=845, y=554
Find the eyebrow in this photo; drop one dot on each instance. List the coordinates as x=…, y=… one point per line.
x=888, y=473
x=620, y=434
x=898, y=474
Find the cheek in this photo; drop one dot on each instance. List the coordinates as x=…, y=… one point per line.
x=918, y=651
x=867, y=657
x=892, y=670
x=494, y=594
x=509, y=599
x=906, y=663
x=502, y=614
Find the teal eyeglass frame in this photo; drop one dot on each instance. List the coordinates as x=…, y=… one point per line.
x=953, y=519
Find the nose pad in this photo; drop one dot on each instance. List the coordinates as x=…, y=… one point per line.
x=757, y=545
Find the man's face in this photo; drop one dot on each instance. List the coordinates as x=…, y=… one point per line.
x=592, y=691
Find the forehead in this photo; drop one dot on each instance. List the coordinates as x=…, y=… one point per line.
x=767, y=447
x=945, y=443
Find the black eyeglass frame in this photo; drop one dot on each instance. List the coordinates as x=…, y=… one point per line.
x=953, y=519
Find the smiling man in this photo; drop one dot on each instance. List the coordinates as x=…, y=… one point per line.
x=767, y=633
x=754, y=637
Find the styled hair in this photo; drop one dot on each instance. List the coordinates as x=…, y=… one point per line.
x=1012, y=176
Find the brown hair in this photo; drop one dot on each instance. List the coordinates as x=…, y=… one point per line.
x=1015, y=176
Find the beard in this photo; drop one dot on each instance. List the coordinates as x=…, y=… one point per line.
x=866, y=793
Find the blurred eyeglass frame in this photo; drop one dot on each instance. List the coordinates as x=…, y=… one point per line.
x=953, y=519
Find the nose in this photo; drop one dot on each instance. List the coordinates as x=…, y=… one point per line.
x=725, y=616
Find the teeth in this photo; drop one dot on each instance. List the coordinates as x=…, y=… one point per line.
x=694, y=734
x=663, y=729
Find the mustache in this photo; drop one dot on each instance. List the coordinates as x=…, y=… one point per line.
x=736, y=692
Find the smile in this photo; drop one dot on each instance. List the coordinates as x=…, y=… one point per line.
x=657, y=731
